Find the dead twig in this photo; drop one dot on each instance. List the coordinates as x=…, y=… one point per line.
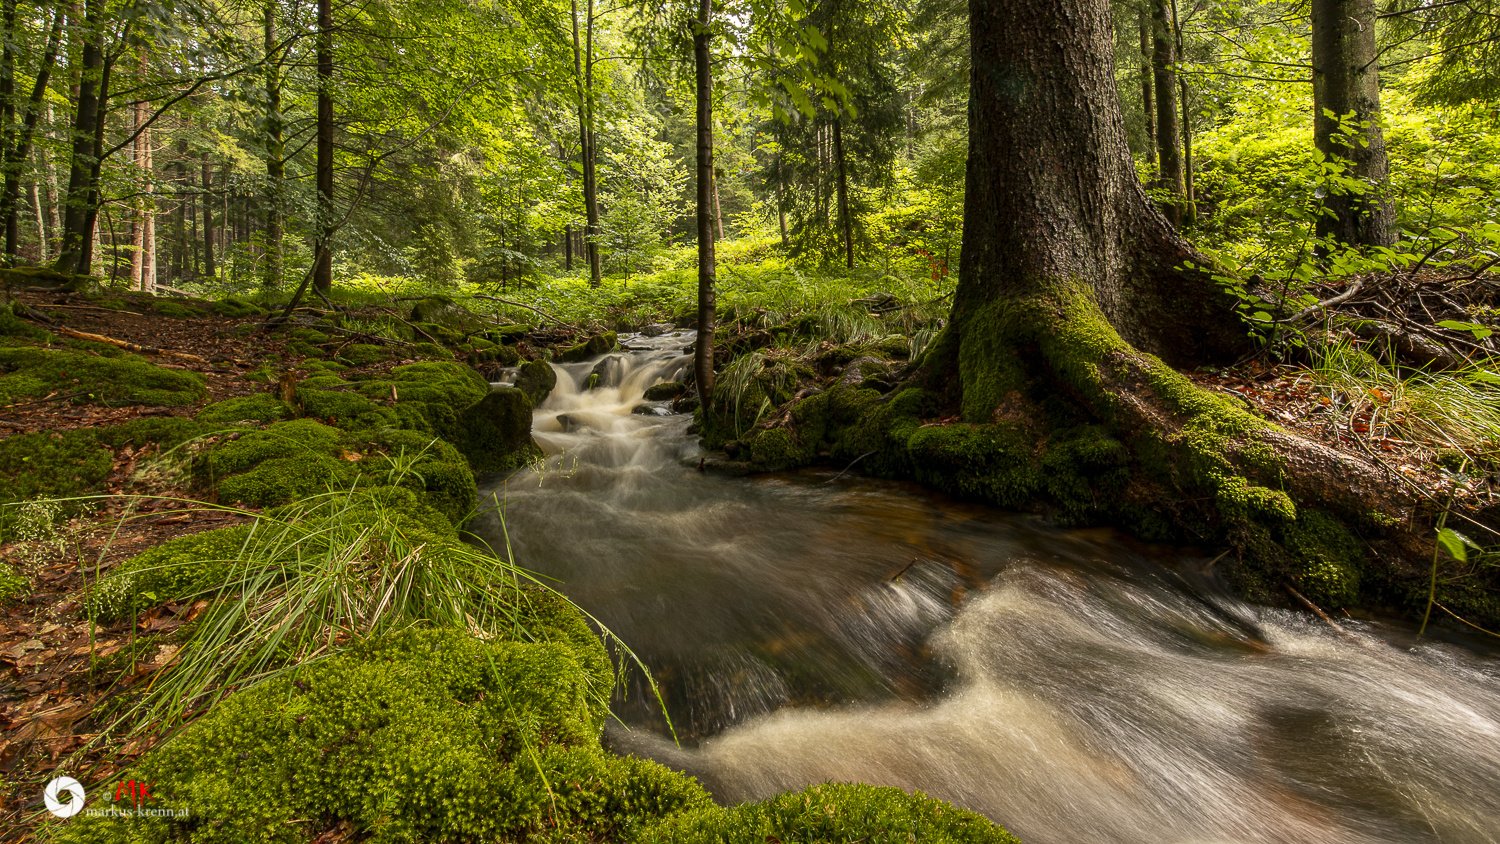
x=519, y=305
x=130, y=347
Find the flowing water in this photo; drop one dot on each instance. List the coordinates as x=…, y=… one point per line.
x=1074, y=687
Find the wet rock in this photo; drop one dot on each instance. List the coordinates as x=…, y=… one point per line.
x=498, y=431
x=536, y=379
x=590, y=348
x=862, y=368
x=685, y=404
x=656, y=329
x=566, y=422
x=609, y=372
x=665, y=390
x=650, y=410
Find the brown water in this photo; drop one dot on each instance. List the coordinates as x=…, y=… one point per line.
x=806, y=627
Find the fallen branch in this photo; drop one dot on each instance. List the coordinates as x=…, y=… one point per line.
x=95, y=308
x=129, y=347
x=1328, y=303
x=519, y=305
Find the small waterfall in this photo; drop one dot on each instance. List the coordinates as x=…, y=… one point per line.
x=811, y=626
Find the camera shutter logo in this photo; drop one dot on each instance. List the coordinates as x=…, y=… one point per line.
x=52, y=797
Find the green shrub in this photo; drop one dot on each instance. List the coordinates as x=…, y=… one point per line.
x=832, y=813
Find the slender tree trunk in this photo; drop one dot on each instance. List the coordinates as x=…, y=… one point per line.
x=568, y=247
x=703, y=356
x=1169, y=153
x=786, y=242
x=1346, y=121
x=323, y=267
x=148, y=237
x=275, y=155
x=77, y=222
x=846, y=223
x=718, y=215
x=54, y=206
x=18, y=148
x=210, y=266
x=140, y=210
x=1148, y=86
x=583, y=69
x=1190, y=206
x=95, y=171
x=41, y=219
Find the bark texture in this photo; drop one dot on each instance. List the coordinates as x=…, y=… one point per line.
x=322, y=279
x=703, y=357
x=1346, y=121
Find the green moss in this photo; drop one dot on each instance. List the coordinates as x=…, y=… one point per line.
x=590, y=348
x=237, y=307
x=111, y=304
x=177, y=569
x=430, y=351
x=434, y=394
x=776, y=449
x=309, y=335
x=1085, y=470
x=665, y=390
x=419, y=736
x=174, y=310
x=364, y=354
x=259, y=408
x=30, y=373
x=334, y=401
x=13, y=326
x=832, y=813
x=988, y=462
x=52, y=465
x=1326, y=559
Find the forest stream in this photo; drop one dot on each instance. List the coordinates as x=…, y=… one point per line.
x=1072, y=686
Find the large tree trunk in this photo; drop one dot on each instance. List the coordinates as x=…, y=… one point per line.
x=1346, y=121
x=18, y=149
x=583, y=69
x=322, y=280
x=703, y=356
x=210, y=265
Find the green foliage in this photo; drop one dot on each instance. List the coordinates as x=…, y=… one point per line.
x=13, y=584
x=33, y=373
x=832, y=813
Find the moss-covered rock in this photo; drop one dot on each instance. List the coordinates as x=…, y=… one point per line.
x=176, y=569
x=536, y=379
x=173, y=309
x=832, y=813
x=665, y=390
x=237, y=307
x=430, y=396
x=259, y=408
x=364, y=354
x=445, y=313
x=31, y=373
x=420, y=736
x=590, y=348
x=498, y=432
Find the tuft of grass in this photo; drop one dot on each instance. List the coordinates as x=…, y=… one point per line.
x=1458, y=408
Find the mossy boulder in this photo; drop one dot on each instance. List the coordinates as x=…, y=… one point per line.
x=536, y=379
x=832, y=813
x=32, y=373
x=418, y=736
x=176, y=569
x=174, y=310
x=497, y=432
x=365, y=354
x=665, y=390
x=259, y=408
x=430, y=395
x=333, y=400
x=590, y=348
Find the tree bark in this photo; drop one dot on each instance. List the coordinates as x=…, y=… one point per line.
x=210, y=266
x=703, y=355
x=1148, y=85
x=77, y=222
x=322, y=280
x=1164, y=67
x=583, y=68
x=18, y=151
x=1346, y=122
x=846, y=223
x=275, y=156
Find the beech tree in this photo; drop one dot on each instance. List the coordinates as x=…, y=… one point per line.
x=1074, y=299
x=1346, y=122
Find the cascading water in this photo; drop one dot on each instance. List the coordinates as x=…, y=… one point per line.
x=808, y=627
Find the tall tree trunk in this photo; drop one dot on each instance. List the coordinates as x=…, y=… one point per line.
x=846, y=223
x=583, y=69
x=18, y=149
x=1164, y=65
x=718, y=214
x=323, y=267
x=568, y=247
x=786, y=242
x=1346, y=121
x=41, y=219
x=1148, y=85
x=275, y=155
x=77, y=221
x=148, y=237
x=703, y=354
x=210, y=266
x=50, y=184
x=1190, y=194
x=140, y=210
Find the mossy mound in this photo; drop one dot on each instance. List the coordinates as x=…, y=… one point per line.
x=497, y=432
x=174, y=310
x=590, y=348
x=289, y=461
x=365, y=354
x=176, y=569
x=832, y=813
x=259, y=408
x=420, y=736
x=13, y=327
x=237, y=307
x=32, y=373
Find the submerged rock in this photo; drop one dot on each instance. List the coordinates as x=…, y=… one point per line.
x=665, y=390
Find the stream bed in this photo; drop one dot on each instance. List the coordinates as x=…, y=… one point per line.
x=1072, y=686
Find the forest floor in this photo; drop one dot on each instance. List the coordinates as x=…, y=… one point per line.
x=50, y=684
